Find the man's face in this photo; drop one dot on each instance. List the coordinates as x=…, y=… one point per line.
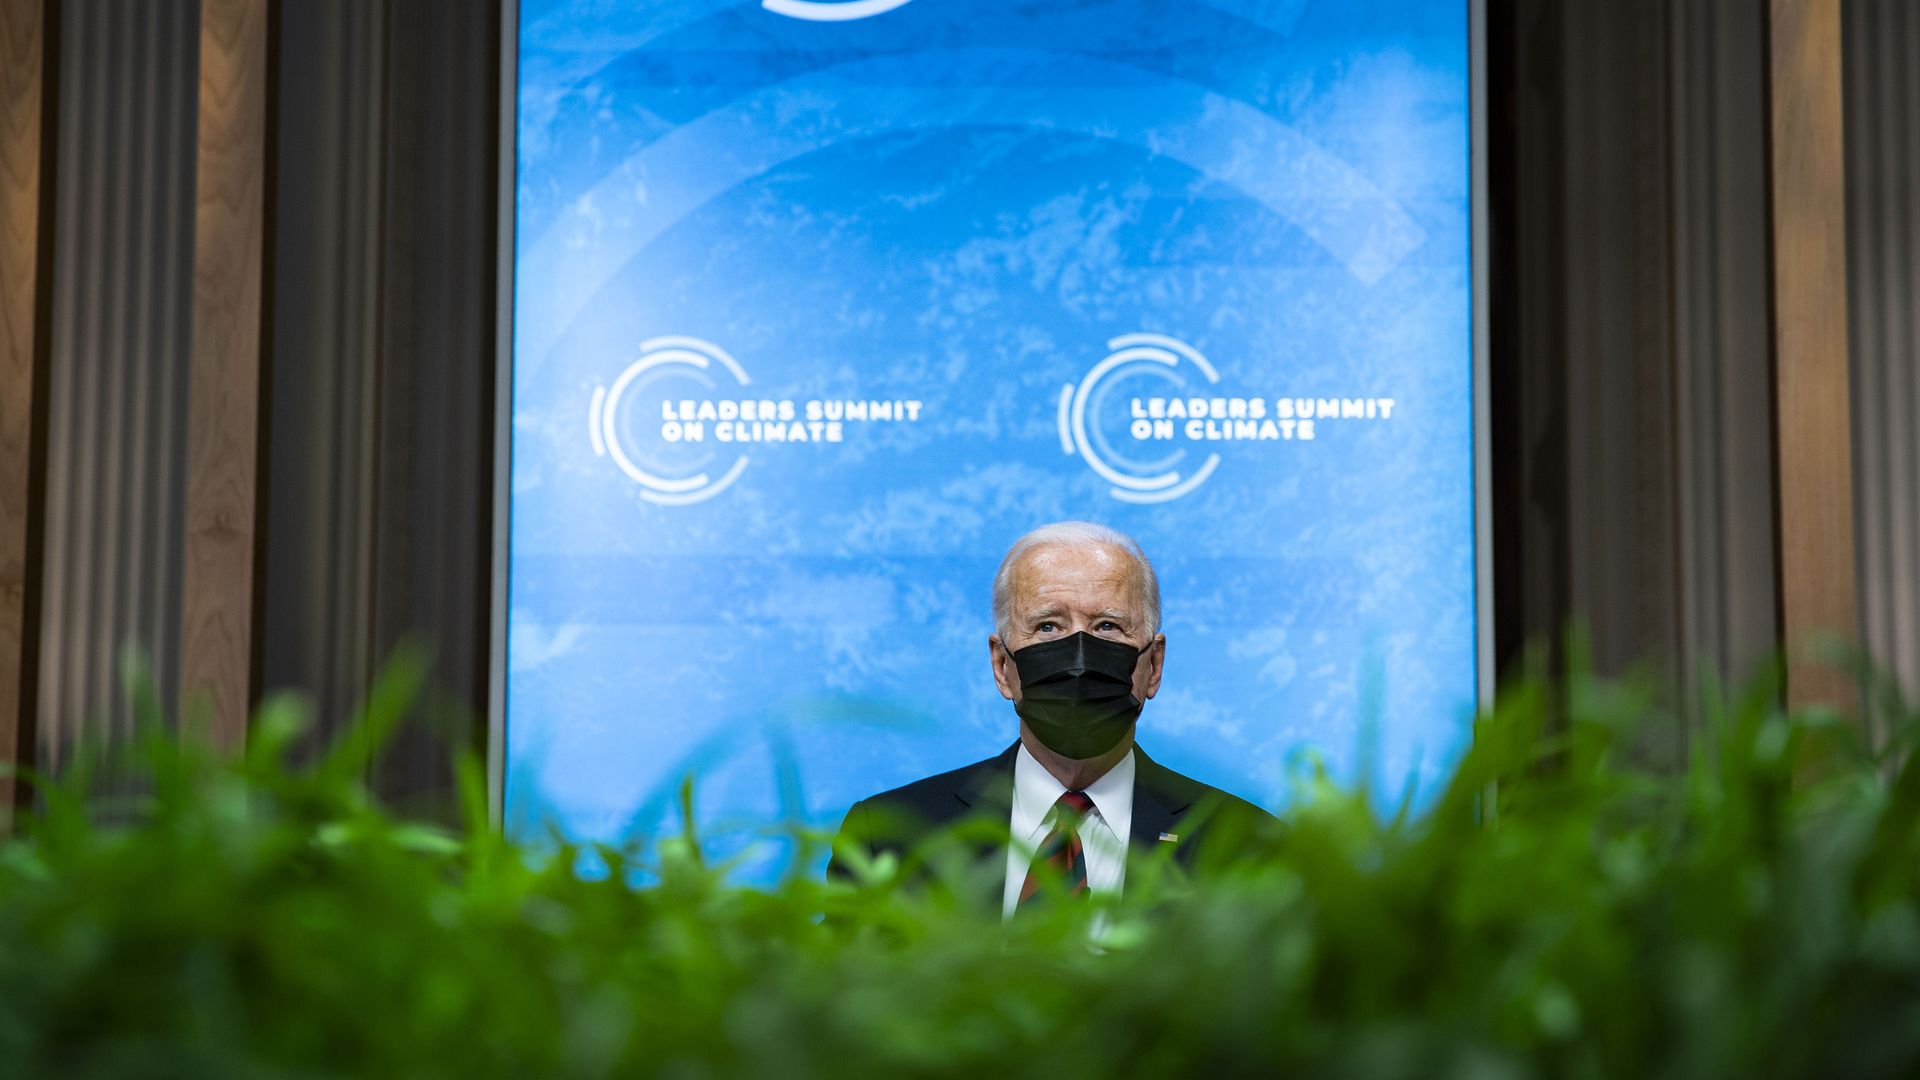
x=1058, y=591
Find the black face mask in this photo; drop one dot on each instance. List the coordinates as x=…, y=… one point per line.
x=1076, y=693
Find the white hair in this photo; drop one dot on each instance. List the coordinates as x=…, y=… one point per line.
x=1075, y=534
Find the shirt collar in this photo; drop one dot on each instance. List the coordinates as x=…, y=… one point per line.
x=1035, y=791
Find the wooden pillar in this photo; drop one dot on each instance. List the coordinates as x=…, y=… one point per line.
x=223, y=442
x=23, y=50
x=1814, y=451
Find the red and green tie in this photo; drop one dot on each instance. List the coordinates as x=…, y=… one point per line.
x=1061, y=852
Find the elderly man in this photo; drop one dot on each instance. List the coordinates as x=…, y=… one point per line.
x=1077, y=650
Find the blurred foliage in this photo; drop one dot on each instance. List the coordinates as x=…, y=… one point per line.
x=1559, y=910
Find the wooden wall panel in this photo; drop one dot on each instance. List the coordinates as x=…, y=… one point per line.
x=120, y=277
x=1811, y=388
x=1882, y=43
x=1633, y=427
x=320, y=536
x=22, y=100
x=216, y=636
x=378, y=496
x=1723, y=491
x=434, y=490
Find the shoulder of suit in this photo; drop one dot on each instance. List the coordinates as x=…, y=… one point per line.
x=940, y=786
x=1177, y=789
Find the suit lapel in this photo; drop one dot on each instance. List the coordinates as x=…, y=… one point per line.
x=1159, y=800
x=986, y=790
x=1157, y=805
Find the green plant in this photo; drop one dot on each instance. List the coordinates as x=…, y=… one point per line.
x=1560, y=910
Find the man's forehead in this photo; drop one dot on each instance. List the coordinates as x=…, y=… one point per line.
x=1054, y=567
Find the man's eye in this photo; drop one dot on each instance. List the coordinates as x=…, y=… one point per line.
x=1047, y=627
x=1108, y=624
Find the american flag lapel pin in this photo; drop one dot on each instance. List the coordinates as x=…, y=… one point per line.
x=1171, y=838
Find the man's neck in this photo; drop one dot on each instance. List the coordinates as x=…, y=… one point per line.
x=1076, y=774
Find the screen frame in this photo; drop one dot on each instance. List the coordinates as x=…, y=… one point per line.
x=507, y=249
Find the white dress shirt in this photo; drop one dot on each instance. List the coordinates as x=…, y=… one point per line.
x=1103, y=835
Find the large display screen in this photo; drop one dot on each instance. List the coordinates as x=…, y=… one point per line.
x=817, y=306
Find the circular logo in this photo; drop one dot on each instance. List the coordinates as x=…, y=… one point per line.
x=661, y=359
x=1149, y=356
x=833, y=11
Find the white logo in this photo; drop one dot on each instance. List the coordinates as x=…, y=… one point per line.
x=1159, y=483
x=657, y=357
x=815, y=11
x=1139, y=440
x=665, y=417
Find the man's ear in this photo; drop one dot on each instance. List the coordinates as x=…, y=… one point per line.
x=1005, y=675
x=1154, y=657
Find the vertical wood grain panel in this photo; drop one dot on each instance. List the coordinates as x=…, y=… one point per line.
x=319, y=550
x=119, y=258
x=378, y=494
x=223, y=432
x=1815, y=500
x=1634, y=489
x=432, y=497
x=22, y=100
x=1882, y=46
x=1722, y=402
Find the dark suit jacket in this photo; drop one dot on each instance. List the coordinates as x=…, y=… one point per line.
x=1165, y=804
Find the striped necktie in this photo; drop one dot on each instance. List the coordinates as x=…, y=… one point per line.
x=1064, y=857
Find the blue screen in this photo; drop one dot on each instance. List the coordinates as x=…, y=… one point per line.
x=819, y=306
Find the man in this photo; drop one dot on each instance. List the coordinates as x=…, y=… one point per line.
x=1077, y=648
